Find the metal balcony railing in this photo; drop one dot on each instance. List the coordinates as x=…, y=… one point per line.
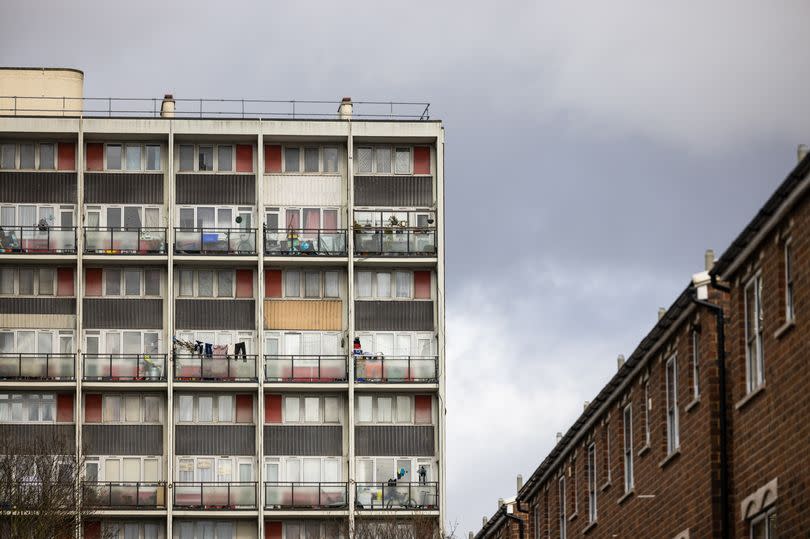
x=33, y=495
x=215, y=368
x=395, y=241
x=214, y=241
x=53, y=240
x=124, y=494
x=396, y=369
x=124, y=367
x=304, y=241
x=321, y=369
x=397, y=495
x=295, y=495
x=46, y=367
x=125, y=241
x=222, y=495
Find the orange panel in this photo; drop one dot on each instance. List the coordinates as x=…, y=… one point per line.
x=421, y=284
x=64, y=408
x=244, y=283
x=244, y=408
x=92, y=282
x=272, y=283
x=423, y=409
x=95, y=156
x=92, y=408
x=67, y=156
x=421, y=160
x=64, y=282
x=272, y=158
x=324, y=315
x=272, y=408
x=92, y=530
x=272, y=530
x=244, y=158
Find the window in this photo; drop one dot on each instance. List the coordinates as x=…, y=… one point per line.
x=133, y=157
x=27, y=156
x=789, y=309
x=8, y=156
x=205, y=158
x=129, y=408
x=153, y=157
x=755, y=361
x=384, y=284
x=591, y=483
x=308, y=284
x=28, y=408
x=311, y=160
x=292, y=159
x=24, y=281
x=561, y=502
x=394, y=409
x=214, y=157
x=607, y=452
x=113, y=157
x=330, y=159
x=213, y=284
x=37, y=156
x=575, y=490
x=215, y=408
x=695, y=363
x=764, y=526
x=331, y=286
x=132, y=530
x=128, y=282
x=186, y=158
x=363, y=160
x=47, y=160
x=536, y=519
x=673, y=436
x=384, y=160
x=403, y=161
x=628, y=447
x=311, y=409
x=647, y=408
x=224, y=158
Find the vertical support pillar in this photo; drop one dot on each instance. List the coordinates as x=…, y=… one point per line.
x=78, y=365
x=169, y=187
x=260, y=322
x=440, y=306
x=350, y=320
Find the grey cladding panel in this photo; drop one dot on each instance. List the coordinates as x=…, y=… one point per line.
x=216, y=189
x=303, y=440
x=395, y=191
x=41, y=437
x=38, y=306
x=118, y=188
x=394, y=315
x=38, y=187
x=123, y=439
x=215, y=440
x=215, y=314
x=394, y=440
x=123, y=313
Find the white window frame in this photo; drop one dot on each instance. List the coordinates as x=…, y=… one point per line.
x=371, y=346
x=229, y=337
x=15, y=271
x=143, y=161
x=37, y=160
x=10, y=398
x=118, y=334
x=56, y=339
x=237, y=210
x=754, y=358
x=647, y=410
x=627, y=435
x=695, y=363
x=235, y=462
x=117, y=529
x=282, y=462
x=790, y=291
x=102, y=214
x=215, y=166
x=393, y=150
x=215, y=419
x=302, y=409
x=673, y=426
x=101, y=460
x=58, y=211
x=142, y=405
x=215, y=292
x=592, y=479
x=562, y=503
x=394, y=292
x=764, y=519
x=375, y=410
x=122, y=283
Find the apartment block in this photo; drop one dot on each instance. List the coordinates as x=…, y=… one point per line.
x=702, y=431
x=236, y=318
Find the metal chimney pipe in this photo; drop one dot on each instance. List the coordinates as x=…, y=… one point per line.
x=519, y=482
x=500, y=503
x=620, y=361
x=708, y=259
x=661, y=312
x=585, y=405
x=559, y=437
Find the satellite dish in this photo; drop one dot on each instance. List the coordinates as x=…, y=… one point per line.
x=239, y=219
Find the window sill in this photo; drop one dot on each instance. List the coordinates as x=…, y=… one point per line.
x=692, y=404
x=784, y=328
x=572, y=517
x=605, y=486
x=589, y=527
x=748, y=398
x=643, y=450
x=669, y=458
x=627, y=495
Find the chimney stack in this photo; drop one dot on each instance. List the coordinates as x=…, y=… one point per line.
x=585, y=406
x=708, y=260
x=500, y=503
x=802, y=151
x=470, y=535
x=519, y=482
x=345, y=108
x=661, y=312
x=620, y=361
x=484, y=521
x=167, y=106
x=559, y=437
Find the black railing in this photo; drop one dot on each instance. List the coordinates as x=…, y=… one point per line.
x=214, y=241
x=397, y=495
x=35, y=495
x=124, y=367
x=54, y=240
x=223, y=495
x=394, y=241
x=305, y=369
x=215, y=368
x=125, y=241
x=396, y=369
x=125, y=494
x=49, y=367
x=295, y=495
x=304, y=241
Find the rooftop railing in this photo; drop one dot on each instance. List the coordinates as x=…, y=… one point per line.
x=125, y=494
x=125, y=241
x=209, y=108
x=220, y=495
x=397, y=495
x=44, y=367
x=317, y=369
x=215, y=368
x=215, y=241
x=124, y=367
x=294, y=495
x=55, y=240
x=304, y=241
x=396, y=369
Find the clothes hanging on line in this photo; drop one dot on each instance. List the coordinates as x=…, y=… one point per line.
x=220, y=350
x=209, y=349
x=239, y=348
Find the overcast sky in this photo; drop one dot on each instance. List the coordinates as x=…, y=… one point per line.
x=594, y=151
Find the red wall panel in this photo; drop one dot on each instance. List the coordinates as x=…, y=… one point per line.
x=64, y=282
x=421, y=160
x=95, y=156
x=244, y=158
x=272, y=408
x=64, y=408
x=92, y=282
x=92, y=530
x=244, y=283
x=92, y=408
x=244, y=408
x=66, y=152
x=421, y=284
x=423, y=409
x=272, y=530
x=272, y=283
x=272, y=158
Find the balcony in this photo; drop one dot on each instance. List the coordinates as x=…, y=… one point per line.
x=125, y=495
x=223, y=496
x=304, y=242
x=311, y=369
x=52, y=240
x=124, y=241
x=198, y=368
x=45, y=367
x=215, y=241
x=396, y=369
x=305, y=495
x=395, y=241
x=124, y=367
x=397, y=495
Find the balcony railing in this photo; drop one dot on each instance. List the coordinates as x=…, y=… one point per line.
x=290, y=495
x=304, y=241
x=50, y=367
x=34, y=495
x=215, y=495
x=215, y=241
x=201, y=368
x=125, y=495
x=125, y=241
x=53, y=240
x=397, y=495
x=124, y=367
x=395, y=241
x=305, y=369
x=396, y=369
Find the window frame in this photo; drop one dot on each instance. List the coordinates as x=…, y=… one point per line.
x=393, y=149
x=10, y=397
x=695, y=334
x=394, y=397
x=215, y=292
x=36, y=282
x=37, y=154
x=561, y=497
x=122, y=282
x=142, y=406
x=393, y=285
x=124, y=145
x=765, y=519
x=790, y=292
x=672, y=411
x=215, y=165
x=592, y=483
x=302, y=420
x=754, y=366
x=215, y=409
x=627, y=436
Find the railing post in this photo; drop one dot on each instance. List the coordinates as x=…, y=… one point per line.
x=138, y=494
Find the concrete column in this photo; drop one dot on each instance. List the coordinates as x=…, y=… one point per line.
x=351, y=479
x=260, y=321
x=169, y=185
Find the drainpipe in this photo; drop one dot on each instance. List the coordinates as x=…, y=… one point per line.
x=519, y=521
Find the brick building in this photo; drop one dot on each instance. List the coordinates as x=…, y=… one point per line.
x=703, y=430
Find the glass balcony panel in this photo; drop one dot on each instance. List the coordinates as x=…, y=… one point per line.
x=215, y=368
x=37, y=366
x=305, y=242
x=46, y=239
x=123, y=367
x=215, y=241
x=396, y=369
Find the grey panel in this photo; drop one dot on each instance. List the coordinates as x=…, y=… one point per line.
x=394, y=440
x=123, y=439
x=38, y=306
x=123, y=313
x=215, y=314
x=393, y=315
x=117, y=188
x=216, y=189
x=303, y=440
x=45, y=437
x=38, y=187
x=395, y=191
x=215, y=440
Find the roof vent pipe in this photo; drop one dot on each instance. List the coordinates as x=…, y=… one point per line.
x=620, y=361
x=500, y=503
x=559, y=437
x=519, y=482
x=802, y=152
x=345, y=108
x=167, y=106
x=708, y=260
x=484, y=521
x=661, y=312
x=470, y=535
x=585, y=405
